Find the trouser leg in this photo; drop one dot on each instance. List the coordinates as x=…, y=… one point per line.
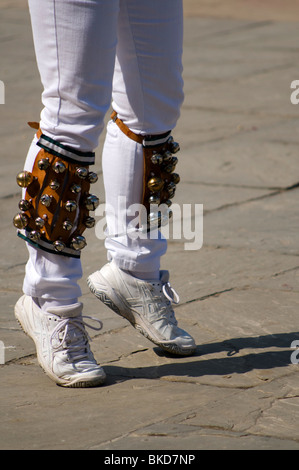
x=75, y=44
x=147, y=95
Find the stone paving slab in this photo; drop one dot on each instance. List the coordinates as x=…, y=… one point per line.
x=239, y=292
x=265, y=10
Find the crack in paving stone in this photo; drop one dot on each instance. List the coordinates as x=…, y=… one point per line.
x=253, y=199
x=21, y=360
x=251, y=25
x=213, y=294
x=234, y=185
x=123, y=356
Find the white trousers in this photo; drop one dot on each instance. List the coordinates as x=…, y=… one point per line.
x=90, y=52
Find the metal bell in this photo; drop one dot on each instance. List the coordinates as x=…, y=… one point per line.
x=158, y=219
x=43, y=164
x=34, y=235
x=46, y=200
x=54, y=184
x=169, y=168
x=59, y=167
x=82, y=172
x=91, y=202
x=154, y=199
x=78, y=243
x=75, y=188
x=170, y=165
x=175, y=178
x=175, y=147
x=67, y=225
x=155, y=184
x=59, y=245
x=89, y=222
x=24, y=178
x=168, y=202
x=171, y=187
x=92, y=177
x=24, y=205
x=154, y=219
x=20, y=221
x=39, y=222
x=156, y=158
x=70, y=206
x=167, y=156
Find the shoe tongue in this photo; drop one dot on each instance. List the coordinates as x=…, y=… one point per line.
x=67, y=311
x=164, y=276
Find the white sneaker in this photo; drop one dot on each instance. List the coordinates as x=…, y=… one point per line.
x=145, y=304
x=61, y=342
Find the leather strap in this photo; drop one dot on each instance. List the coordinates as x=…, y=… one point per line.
x=137, y=138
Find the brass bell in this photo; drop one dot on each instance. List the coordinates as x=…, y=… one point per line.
x=20, y=221
x=59, y=167
x=54, y=185
x=82, y=172
x=75, y=188
x=34, y=235
x=175, y=178
x=89, y=222
x=39, y=222
x=91, y=202
x=43, y=164
x=70, y=206
x=24, y=178
x=156, y=158
x=59, y=245
x=67, y=225
x=155, y=184
x=92, y=177
x=78, y=243
x=24, y=205
x=154, y=199
x=46, y=200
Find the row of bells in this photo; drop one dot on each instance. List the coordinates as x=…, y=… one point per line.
x=167, y=163
x=91, y=202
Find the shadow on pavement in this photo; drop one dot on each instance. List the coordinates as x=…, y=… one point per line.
x=235, y=362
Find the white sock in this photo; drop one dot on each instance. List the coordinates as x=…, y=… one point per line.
x=145, y=276
x=44, y=304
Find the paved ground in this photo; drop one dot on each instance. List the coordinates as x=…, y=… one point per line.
x=239, y=292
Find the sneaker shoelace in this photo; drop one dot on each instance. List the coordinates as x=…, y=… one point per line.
x=164, y=303
x=70, y=335
x=170, y=293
